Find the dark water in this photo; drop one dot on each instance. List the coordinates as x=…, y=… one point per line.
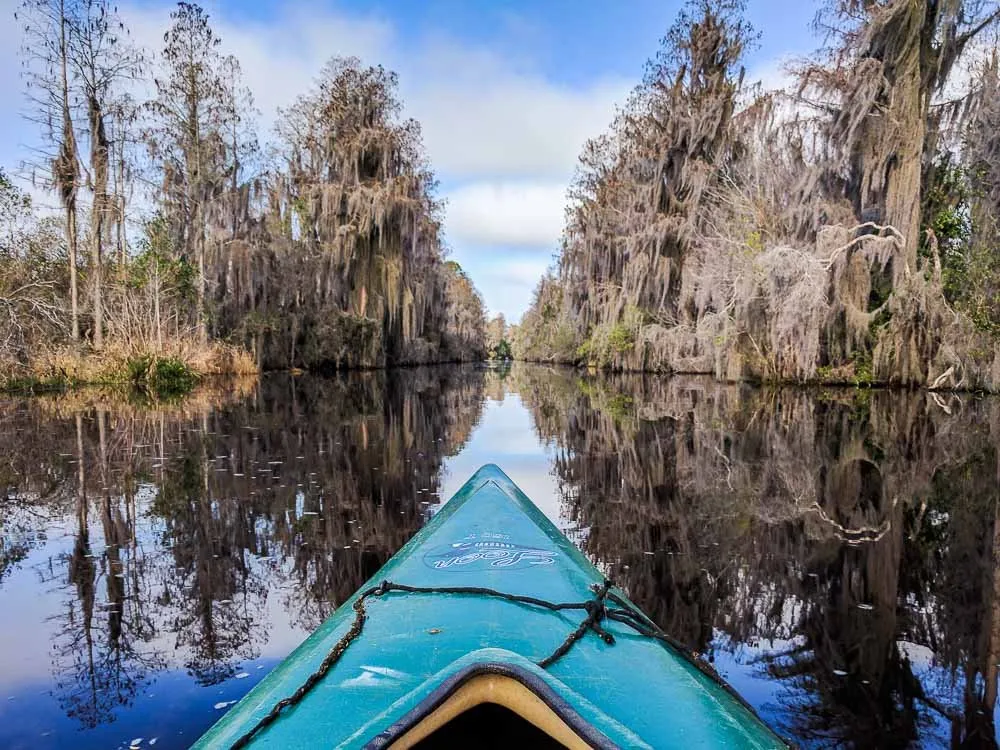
x=833, y=552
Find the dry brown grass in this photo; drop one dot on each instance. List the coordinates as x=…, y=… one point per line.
x=216, y=358
x=80, y=364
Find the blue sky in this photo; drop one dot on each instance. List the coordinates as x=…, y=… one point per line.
x=506, y=92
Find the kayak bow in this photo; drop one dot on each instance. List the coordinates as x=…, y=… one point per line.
x=489, y=628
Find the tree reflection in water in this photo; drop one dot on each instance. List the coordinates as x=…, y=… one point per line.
x=836, y=546
x=846, y=542
x=184, y=522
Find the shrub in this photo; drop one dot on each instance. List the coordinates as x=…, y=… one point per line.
x=163, y=377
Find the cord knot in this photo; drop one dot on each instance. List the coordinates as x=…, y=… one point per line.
x=597, y=610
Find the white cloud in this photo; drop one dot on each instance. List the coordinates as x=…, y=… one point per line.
x=511, y=127
x=523, y=214
x=480, y=117
x=279, y=59
x=525, y=273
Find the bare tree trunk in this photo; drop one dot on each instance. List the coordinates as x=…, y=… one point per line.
x=156, y=305
x=71, y=250
x=67, y=171
x=120, y=210
x=99, y=175
x=196, y=190
x=200, y=239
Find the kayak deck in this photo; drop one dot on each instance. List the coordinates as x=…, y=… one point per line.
x=459, y=621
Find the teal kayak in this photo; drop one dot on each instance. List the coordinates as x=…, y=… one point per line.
x=489, y=629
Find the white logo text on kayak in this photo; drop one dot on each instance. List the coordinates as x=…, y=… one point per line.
x=490, y=553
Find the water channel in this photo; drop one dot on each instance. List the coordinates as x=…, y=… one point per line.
x=835, y=553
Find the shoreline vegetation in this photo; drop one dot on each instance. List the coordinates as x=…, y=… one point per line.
x=183, y=245
x=170, y=372
x=843, y=230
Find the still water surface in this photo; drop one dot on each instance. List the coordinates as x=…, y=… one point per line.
x=834, y=553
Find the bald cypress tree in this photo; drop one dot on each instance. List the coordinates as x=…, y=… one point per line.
x=187, y=139
x=48, y=29
x=886, y=63
x=640, y=190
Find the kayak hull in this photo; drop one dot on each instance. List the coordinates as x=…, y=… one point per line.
x=417, y=651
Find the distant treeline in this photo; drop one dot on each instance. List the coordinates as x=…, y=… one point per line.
x=177, y=229
x=842, y=230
